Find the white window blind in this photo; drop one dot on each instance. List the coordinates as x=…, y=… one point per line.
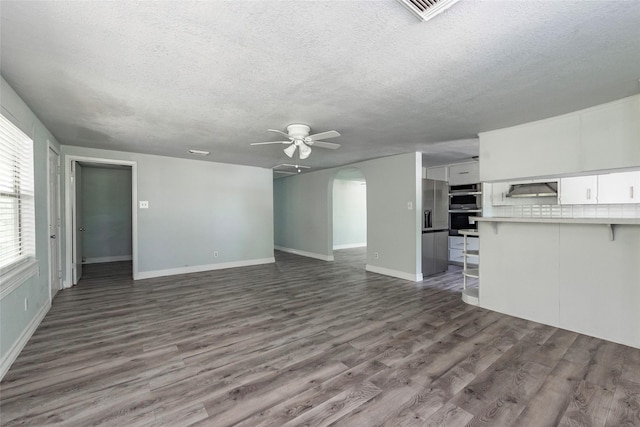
x=17, y=214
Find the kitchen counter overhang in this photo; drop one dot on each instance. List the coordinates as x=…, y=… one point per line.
x=608, y=222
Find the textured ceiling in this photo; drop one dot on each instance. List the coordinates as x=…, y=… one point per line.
x=163, y=77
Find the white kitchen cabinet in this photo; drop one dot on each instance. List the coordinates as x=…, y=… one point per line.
x=438, y=173
x=579, y=190
x=464, y=173
x=544, y=148
x=610, y=135
x=622, y=187
x=603, y=137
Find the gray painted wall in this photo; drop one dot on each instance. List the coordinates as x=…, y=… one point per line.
x=14, y=319
x=195, y=208
x=303, y=212
x=349, y=213
x=106, y=213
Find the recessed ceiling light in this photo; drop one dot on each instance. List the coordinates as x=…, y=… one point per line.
x=199, y=152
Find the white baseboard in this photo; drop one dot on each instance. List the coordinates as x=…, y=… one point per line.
x=17, y=346
x=350, y=246
x=305, y=253
x=394, y=273
x=108, y=259
x=201, y=268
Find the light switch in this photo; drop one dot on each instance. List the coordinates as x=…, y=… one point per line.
x=409, y=205
x=144, y=204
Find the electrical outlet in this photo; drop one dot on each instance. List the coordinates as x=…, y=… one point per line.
x=376, y=255
x=26, y=304
x=144, y=204
x=215, y=254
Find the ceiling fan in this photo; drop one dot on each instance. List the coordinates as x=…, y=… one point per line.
x=299, y=138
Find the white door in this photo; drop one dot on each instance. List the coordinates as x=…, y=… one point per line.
x=78, y=227
x=55, y=271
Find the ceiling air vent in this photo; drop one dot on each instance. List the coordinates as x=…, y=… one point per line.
x=427, y=9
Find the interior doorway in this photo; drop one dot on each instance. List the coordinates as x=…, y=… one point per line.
x=349, y=201
x=101, y=215
x=53, y=203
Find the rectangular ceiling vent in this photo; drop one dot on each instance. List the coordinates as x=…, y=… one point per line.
x=427, y=9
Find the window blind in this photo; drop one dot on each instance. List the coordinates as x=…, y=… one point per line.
x=17, y=213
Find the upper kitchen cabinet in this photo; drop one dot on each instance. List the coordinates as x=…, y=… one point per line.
x=610, y=135
x=579, y=190
x=438, y=173
x=623, y=187
x=603, y=137
x=464, y=173
x=546, y=147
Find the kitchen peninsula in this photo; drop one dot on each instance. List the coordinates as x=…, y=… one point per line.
x=570, y=257
x=567, y=273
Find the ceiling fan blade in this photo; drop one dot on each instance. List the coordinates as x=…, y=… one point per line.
x=278, y=131
x=293, y=166
x=271, y=142
x=325, y=135
x=323, y=144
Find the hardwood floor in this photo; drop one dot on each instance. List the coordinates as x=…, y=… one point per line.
x=306, y=342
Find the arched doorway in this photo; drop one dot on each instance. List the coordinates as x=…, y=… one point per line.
x=349, y=201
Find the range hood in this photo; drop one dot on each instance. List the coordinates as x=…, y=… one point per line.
x=537, y=189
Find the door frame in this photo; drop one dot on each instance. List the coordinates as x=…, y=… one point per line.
x=332, y=182
x=58, y=206
x=70, y=202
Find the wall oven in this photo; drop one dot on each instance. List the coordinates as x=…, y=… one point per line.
x=465, y=201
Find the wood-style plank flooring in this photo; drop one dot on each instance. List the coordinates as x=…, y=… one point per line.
x=306, y=342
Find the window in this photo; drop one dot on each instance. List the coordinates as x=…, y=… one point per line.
x=17, y=219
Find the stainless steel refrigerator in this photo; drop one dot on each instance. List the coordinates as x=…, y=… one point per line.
x=435, y=226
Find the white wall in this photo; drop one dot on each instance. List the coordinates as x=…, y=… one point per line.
x=349, y=214
x=106, y=214
x=303, y=214
x=195, y=208
x=16, y=323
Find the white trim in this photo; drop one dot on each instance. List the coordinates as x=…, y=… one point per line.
x=108, y=259
x=19, y=344
x=15, y=277
x=201, y=268
x=68, y=282
x=350, y=246
x=394, y=273
x=305, y=253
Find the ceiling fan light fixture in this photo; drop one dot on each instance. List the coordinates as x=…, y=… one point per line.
x=290, y=150
x=305, y=150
